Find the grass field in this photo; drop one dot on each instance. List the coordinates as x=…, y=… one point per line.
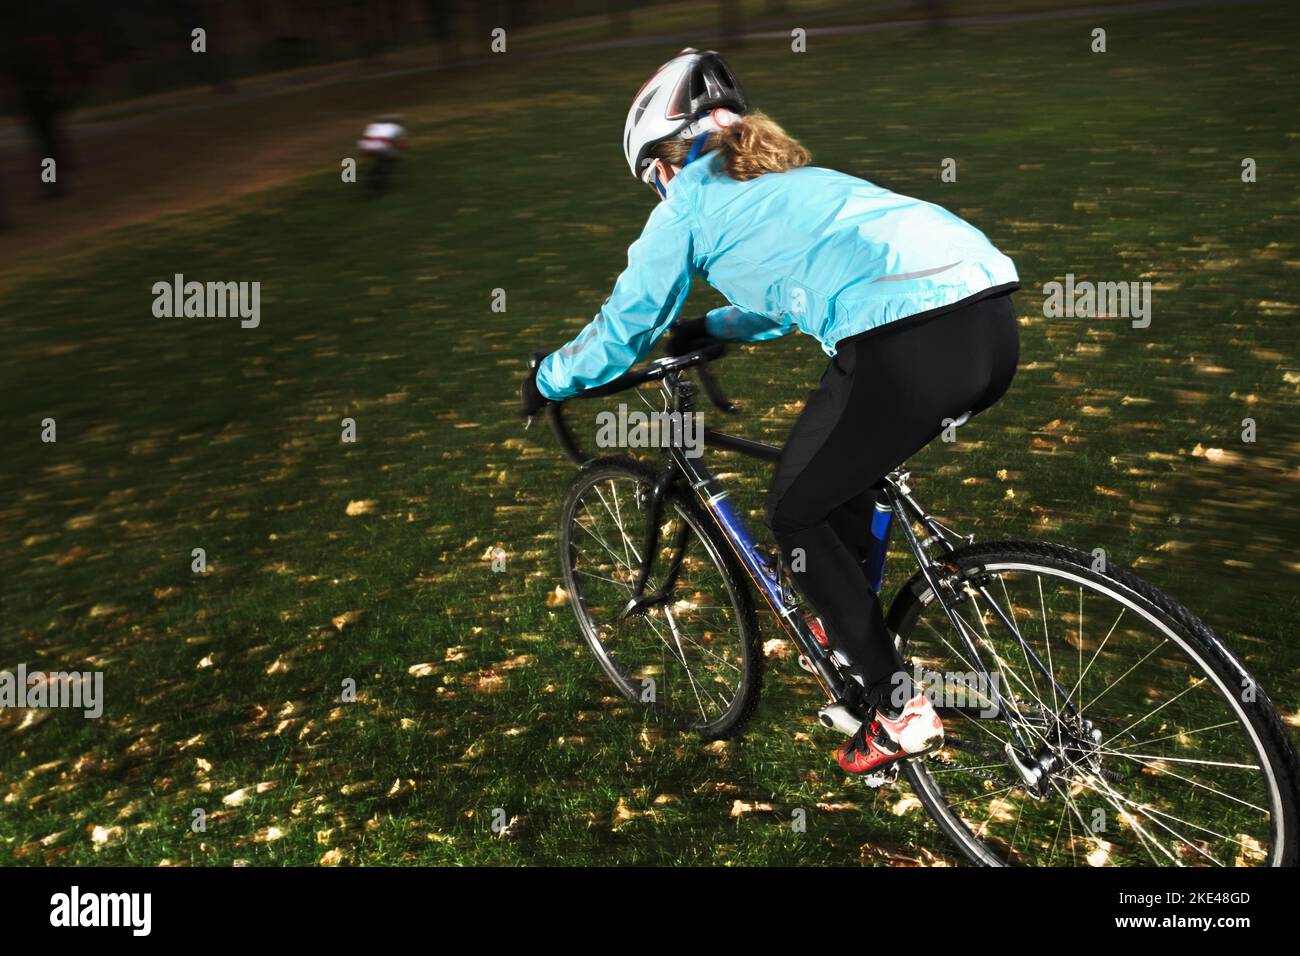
x=331, y=561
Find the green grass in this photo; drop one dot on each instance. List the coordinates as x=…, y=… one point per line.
x=177, y=434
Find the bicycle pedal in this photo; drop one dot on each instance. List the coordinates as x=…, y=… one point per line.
x=839, y=716
x=882, y=779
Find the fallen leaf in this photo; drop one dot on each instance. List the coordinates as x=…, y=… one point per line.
x=622, y=814
x=346, y=619
x=739, y=808
x=776, y=649
x=105, y=836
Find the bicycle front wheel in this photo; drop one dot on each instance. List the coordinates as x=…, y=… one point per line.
x=1113, y=727
x=692, y=657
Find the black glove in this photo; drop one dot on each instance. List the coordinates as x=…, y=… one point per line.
x=531, y=401
x=687, y=336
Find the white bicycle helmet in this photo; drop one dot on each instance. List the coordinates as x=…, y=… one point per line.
x=680, y=100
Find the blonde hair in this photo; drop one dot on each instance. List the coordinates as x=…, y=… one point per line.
x=753, y=145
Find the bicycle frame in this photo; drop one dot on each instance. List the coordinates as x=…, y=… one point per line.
x=903, y=510
x=931, y=551
x=680, y=467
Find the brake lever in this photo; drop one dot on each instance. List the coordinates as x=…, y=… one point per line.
x=714, y=391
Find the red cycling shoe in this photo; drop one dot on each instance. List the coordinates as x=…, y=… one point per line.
x=882, y=741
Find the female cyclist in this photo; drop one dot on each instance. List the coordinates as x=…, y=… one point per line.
x=911, y=303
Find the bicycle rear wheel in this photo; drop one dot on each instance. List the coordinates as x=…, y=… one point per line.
x=694, y=658
x=1151, y=743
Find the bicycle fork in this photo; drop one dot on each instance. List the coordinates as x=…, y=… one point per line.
x=640, y=601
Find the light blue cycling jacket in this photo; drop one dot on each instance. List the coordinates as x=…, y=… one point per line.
x=813, y=249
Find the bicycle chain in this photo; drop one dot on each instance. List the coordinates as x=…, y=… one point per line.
x=956, y=744
x=979, y=774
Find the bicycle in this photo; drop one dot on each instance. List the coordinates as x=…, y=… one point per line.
x=1099, y=737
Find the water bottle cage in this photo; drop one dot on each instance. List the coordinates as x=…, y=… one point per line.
x=788, y=592
x=774, y=566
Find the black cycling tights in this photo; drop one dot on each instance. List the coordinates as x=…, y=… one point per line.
x=883, y=397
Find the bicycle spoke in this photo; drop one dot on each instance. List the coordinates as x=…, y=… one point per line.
x=1194, y=783
x=1203, y=763
x=1152, y=713
x=1079, y=661
x=1095, y=655
x=675, y=640
x=1108, y=794
x=1002, y=672
x=1181, y=733
x=1051, y=668
x=1187, y=792
x=1152, y=810
x=600, y=539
